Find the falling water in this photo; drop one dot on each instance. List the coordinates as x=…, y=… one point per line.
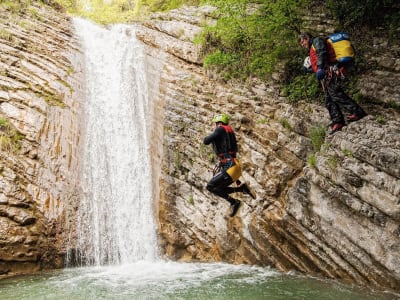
x=115, y=217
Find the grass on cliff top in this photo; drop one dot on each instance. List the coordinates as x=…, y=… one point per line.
x=99, y=11
x=119, y=11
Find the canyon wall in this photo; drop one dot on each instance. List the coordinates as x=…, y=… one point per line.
x=39, y=87
x=332, y=211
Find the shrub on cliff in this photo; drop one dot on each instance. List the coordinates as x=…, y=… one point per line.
x=251, y=37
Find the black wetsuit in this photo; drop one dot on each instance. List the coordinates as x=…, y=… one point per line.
x=225, y=147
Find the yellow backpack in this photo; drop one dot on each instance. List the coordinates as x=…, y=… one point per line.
x=342, y=46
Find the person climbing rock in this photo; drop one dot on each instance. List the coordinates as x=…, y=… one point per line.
x=324, y=65
x=228, y=170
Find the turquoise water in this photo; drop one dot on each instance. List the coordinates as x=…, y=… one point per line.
x=169, y=280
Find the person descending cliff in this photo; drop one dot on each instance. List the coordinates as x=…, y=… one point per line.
x=228, y=170
x=324, y=64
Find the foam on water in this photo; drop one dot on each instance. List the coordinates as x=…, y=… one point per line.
x=163, y=274
x=171, y=280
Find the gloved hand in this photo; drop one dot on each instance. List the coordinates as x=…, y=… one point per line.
x=320, y=74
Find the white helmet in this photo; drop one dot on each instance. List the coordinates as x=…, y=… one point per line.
x=307, y=63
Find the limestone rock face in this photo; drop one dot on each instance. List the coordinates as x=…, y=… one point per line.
x=39, y=132
x=332, y=212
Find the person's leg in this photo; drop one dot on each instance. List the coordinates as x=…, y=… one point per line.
x=332, y=105
x=219, y=185
x=335, y=114
x=340, y=97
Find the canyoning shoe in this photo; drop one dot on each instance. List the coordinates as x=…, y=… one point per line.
x=247, y=190
x=336, y=127
x=355, y=117
x=234, y=208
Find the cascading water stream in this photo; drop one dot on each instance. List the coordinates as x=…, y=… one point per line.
x=115, y=217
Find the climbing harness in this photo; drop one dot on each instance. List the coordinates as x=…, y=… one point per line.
x=217, y=169
x=232, y=167
x=334, y=72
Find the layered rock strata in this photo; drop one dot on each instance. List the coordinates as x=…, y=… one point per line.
x=332, y=212
x=39, y=135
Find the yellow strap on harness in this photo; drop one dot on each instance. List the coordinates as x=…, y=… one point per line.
x=235, y=171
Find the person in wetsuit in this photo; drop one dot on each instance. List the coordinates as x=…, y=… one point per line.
x=225, y=147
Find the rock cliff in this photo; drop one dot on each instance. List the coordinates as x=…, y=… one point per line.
x=331, y=210
x=39, y=135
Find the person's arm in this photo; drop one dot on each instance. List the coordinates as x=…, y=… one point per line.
x=322, y=52
x=214, y=136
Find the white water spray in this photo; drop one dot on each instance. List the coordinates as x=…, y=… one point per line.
x=115, y=217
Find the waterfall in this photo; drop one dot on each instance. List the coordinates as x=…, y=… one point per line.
x=115, y=217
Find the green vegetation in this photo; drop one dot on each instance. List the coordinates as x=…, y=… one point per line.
x=251, y=37
x=370, y=13
x=317, y=136
x=392, y=104
x=178, y=160
x=101, y=11
x=119, y=11
x=332, y=162
x=71, y=6
x=347, y=152
x=6, y=35
x=304, y=86
x=285, y=123
x=159, y=5
x=14, y=6
x=380, y=119
x=55, y=100
x=312, y=161
x=9, y=137
x=262, y=121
